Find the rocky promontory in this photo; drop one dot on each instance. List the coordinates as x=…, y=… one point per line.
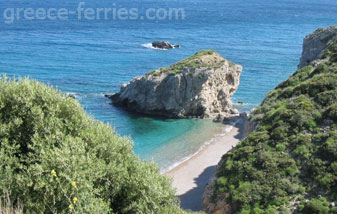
x=315, y=44
x=198, y=86
x=288, y=164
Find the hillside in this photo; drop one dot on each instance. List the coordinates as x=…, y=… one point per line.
x=288, y=164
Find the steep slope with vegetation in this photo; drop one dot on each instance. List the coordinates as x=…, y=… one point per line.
x=289, y=163
x=54, y=158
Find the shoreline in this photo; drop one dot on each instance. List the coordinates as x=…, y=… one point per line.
x=191, y=176
x=170, y=168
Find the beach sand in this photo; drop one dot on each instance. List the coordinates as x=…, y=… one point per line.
x=191, y=177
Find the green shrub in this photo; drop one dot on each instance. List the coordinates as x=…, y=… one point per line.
x=303, y=151
x=280, y=147
x=321, y=68
x=317, y=206
x=54, y=158
x=334, y=167
x=331, y=112
x=334, y=210
x=271, y=210
x=291, y=171
x=284, y=210
x=330, y=148
x=155, y=73
x=258, y=210
x=190, y=63
x=327, y=98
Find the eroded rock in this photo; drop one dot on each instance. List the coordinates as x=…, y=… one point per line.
x=198, y=86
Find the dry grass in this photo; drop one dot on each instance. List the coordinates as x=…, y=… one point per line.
x=7, y=206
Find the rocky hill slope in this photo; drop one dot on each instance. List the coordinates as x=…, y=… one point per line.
x=289, y=163
x=314, y=45
x=198, y=86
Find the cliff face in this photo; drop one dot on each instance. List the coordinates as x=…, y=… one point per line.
x=289, y=163
x=198, y=86
x=315, y=44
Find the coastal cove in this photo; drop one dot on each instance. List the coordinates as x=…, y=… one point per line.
x=191, y=177
x=90, y=59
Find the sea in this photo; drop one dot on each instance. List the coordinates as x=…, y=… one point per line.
x=89, y=56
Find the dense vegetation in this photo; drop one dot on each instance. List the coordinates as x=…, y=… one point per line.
x=289, y=163
x=54, y=158
x=191, y=63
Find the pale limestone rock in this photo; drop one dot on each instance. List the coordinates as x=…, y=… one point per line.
x=199, y=86
x=314, y=45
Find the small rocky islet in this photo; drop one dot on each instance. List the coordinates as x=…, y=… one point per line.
x=164, y=45
x=199, y=86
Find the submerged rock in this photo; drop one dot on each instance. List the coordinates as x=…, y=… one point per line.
x=165, y=45
x=198, y=86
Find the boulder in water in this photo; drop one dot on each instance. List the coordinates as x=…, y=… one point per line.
x=165, y=45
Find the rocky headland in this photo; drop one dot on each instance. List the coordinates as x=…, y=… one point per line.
x=199, y=86
x=315, y=44
x=289, y=163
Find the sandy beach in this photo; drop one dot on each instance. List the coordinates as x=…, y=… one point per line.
x=191, y=177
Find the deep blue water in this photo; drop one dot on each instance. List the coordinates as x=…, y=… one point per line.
x=91, y=58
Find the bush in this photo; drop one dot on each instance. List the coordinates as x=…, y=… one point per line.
x=56, y=159
x=331, y=112
x=317, y=206
x=327, y=97
x=334, y=210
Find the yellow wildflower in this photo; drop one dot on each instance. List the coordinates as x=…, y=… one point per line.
x=70, y=207
x=75, y=200
x=53, y=172
x=73, y=183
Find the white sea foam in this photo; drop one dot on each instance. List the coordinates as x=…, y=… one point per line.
x=149, y=45
x=167, y=169
x=71, y=93
x=84, y=95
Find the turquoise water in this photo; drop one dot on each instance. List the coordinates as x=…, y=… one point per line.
x=91, y=58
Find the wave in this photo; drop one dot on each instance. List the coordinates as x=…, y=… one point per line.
x=84, y=95
x=229, y=128
x=149, y=45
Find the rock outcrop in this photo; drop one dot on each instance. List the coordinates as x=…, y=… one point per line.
x=198, y=86
x=165, y=45
x=315, y=44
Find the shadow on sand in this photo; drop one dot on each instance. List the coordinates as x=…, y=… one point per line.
x=192, y=200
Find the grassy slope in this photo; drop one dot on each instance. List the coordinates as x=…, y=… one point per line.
x=290, y=160
x=192, y=62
